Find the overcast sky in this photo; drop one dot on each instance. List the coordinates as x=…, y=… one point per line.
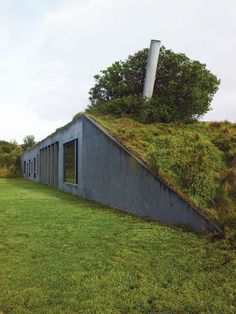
x=51, y=49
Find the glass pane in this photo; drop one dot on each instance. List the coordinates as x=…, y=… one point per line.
x=70, y=163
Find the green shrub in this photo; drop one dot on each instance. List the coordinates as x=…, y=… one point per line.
x=183, y=88
x=9, y=159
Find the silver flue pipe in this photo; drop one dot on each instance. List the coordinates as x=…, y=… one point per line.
x=151, y=69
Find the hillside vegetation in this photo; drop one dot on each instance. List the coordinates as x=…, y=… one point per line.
x=197, y=159
x=9, y=159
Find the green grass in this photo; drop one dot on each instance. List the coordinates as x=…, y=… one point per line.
x=62, y=254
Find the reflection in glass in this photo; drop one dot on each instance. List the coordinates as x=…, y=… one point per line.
x=70, y=162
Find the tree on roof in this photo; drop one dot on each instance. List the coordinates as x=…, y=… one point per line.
x=183, y=89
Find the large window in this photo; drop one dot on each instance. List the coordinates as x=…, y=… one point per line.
x=71, y=162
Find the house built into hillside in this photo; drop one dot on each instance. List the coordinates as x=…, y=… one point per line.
x=84, y=159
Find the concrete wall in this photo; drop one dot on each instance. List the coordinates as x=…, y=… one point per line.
x=109, y=174
x=51, y=161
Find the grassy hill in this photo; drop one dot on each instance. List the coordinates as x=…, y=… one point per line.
x=198, y=160
x=63, y=254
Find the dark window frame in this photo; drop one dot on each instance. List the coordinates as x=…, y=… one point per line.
x=66, y=145
x=29, y=168
x=34, y=164
x=37, y=164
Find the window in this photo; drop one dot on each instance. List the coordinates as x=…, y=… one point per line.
x=34, y=164
x=24, y=166
x=29, y=168
x=71, y=162
x=37, y=166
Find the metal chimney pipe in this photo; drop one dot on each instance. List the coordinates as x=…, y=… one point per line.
x=151, y=69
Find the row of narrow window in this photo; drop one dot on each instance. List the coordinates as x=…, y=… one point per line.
x=70, y=164
x=31, y=167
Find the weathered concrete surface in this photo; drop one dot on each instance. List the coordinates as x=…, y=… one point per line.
x=109, y=174
x=56, y=159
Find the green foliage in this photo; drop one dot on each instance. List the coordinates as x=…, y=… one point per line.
x=28, y=142
x=63, y=254
x=225, y=200
x=193, y=163
x=197, y=159
x=143, y=110
x=183, y=89
x=9, y=159
x=130, y=105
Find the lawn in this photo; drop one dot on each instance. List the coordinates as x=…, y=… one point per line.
x=63, y=254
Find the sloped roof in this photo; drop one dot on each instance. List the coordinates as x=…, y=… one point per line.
x=163, y=147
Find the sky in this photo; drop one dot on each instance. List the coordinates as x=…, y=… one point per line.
x=51, y=49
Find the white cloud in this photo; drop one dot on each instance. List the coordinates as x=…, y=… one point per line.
x=50, y=50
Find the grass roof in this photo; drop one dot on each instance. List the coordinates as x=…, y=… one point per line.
x=198, y=160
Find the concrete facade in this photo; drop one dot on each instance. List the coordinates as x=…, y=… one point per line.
x=109, y=174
